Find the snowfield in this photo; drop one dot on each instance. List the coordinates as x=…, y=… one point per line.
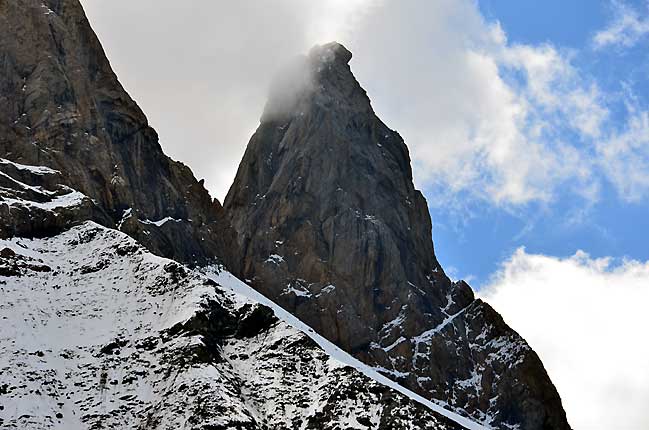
x=96, y=332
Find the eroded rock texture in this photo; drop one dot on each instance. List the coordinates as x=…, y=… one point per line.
x=331, y=227
x=61, y=106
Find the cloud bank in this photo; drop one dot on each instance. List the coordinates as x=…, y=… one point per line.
x=587, y=319
x=501, y=122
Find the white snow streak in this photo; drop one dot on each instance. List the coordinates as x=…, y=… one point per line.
x=229, y=281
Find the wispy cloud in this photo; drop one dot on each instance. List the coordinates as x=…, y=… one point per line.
x=624, y=156
x=586, y=318
x=482, y=116
x=628, y=27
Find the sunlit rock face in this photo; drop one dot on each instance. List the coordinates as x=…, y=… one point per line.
x=331, y=227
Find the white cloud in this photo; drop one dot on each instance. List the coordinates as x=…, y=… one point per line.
x=627, y=28
x=624, y=155
x=480, y=114
x=587, y=319
x=554, y=86
x=497, y=121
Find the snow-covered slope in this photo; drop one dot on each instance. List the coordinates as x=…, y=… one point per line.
x=232, y=283
x=98, y=333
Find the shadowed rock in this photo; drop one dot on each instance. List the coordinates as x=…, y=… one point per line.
x=61, y=106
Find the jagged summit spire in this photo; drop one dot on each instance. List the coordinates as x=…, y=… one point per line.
x=331, y=227
x=330, y=52
x=322, y=79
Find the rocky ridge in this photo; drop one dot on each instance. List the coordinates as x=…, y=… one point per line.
x=62, y=107
x=331, y=227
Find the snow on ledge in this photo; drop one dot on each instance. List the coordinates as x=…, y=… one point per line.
x=72, y=199
x=37, y=170
x=161, y=222
x=275, y=259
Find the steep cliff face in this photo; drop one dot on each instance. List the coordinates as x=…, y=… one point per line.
x=61, y=106
x=331, y=227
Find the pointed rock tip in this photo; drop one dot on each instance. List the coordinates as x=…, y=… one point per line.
x=332, y=51
x=303, y=77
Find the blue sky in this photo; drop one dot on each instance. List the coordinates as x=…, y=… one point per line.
x=473, y=246
x=472, y=241
x=568, y=23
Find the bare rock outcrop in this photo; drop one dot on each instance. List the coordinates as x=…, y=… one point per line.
x=61, y=106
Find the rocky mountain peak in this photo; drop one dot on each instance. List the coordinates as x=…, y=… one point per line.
x=332, y=186
x=322, y=78
x=331, y=227
x=332, y=52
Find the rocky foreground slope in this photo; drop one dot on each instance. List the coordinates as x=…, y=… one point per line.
x=98, y=333
x=331, y=227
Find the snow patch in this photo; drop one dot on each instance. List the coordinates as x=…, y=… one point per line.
x=161, y=222
x=275, y=259
x=72, y=199
x=37, y=170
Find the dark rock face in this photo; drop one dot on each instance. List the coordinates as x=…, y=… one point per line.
x=61, y=106
x=331, y=227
